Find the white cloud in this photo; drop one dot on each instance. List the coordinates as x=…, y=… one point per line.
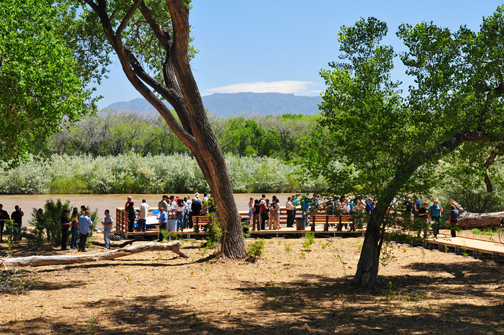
x=286, y=86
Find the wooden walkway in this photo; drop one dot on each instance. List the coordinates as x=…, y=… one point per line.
x=466, y=246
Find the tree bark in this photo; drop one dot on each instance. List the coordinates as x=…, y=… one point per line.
x=181, y=91
x=468, y=220
x=63, y=259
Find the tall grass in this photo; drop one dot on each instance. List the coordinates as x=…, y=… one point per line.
x=131, y=173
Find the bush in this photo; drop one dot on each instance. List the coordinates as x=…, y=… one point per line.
x=256, y=249
x=132, y=173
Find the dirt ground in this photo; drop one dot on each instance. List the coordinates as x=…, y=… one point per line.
x=289, y=290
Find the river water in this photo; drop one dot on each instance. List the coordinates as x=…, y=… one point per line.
x=107, y=201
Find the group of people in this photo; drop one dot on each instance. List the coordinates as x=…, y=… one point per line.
x=170, y=207
x=79, y=225
x=263, y=212
x=16, y=217
x=425, y=215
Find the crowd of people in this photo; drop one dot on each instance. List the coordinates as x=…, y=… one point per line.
x=263, y=214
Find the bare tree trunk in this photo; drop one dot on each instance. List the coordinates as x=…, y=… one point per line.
x=468, y=220
x=63, y=259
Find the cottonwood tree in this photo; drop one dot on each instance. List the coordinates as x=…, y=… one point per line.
x=389, y=141
x=151, y=40
x=41, y=82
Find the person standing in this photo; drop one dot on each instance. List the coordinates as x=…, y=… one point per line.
x=289, y=207
x=417, y=205
x=3, y=216
x=275, y=212
x=251, y=208
x=295, y=203
x=75, y=229
x=422, y=224
x=330, y=206
x=264, y=214
x=127, y=203
x=65, y=224
x=408, y=207
x=163, y=203
x=84, y=224
x=17, y=217
x=163, y=222
x=256, y=216
x=131, y=216
x=434, y=216
x=187, y=210
x=142, y=216
x=180, y=215
x=107, y=227
x=453, y=219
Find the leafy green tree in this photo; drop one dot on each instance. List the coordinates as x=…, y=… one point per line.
x=40, y=82
x=386, y=141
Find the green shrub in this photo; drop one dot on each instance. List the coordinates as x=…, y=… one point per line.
x=256, y=249
x=132, y=173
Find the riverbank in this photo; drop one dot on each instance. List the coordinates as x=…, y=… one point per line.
x=131, y=173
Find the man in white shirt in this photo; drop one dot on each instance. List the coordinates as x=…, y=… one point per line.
x=144, y=210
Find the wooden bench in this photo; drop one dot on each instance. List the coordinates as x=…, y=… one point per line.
x=338, y=220
x=201, y=221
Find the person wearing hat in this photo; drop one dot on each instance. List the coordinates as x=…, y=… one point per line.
x=434, y=216
x=65, y=225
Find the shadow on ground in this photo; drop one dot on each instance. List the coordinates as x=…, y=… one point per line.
x=412, y=303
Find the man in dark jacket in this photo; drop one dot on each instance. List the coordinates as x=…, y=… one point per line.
x=17, y=217
x=65, y=224
x=3, y=216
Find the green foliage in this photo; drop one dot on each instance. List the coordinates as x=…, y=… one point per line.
x=132, y=173
x=256, y=249
x=310, y=237
x=15, y=281
x=375, y=138
x=40, y=83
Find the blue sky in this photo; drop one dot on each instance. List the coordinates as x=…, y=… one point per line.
x=280, y=46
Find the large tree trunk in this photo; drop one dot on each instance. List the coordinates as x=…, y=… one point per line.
x=468, y=220
x=369, y=261
x=63, y=259
x=181, y=91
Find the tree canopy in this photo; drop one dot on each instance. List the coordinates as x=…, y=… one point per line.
x=39, y=80
x=386, y=139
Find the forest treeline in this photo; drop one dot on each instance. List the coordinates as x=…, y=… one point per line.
x=112, y=133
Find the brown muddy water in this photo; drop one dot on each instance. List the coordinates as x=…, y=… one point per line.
x=107, y=201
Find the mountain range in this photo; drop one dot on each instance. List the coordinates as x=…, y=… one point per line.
x=238, y=104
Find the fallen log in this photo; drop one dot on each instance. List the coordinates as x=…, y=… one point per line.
x=63, y=259
x=468, y=220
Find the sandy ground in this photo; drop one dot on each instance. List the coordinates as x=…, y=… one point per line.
x=289, y=290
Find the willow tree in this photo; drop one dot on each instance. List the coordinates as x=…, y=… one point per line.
x=387, y=140
x=151, y=40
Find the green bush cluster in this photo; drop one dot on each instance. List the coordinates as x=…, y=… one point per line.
x=133, y=173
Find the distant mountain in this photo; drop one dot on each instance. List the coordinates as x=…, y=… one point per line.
x=238, y=104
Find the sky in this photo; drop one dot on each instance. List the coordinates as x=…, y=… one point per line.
x=281, y=45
